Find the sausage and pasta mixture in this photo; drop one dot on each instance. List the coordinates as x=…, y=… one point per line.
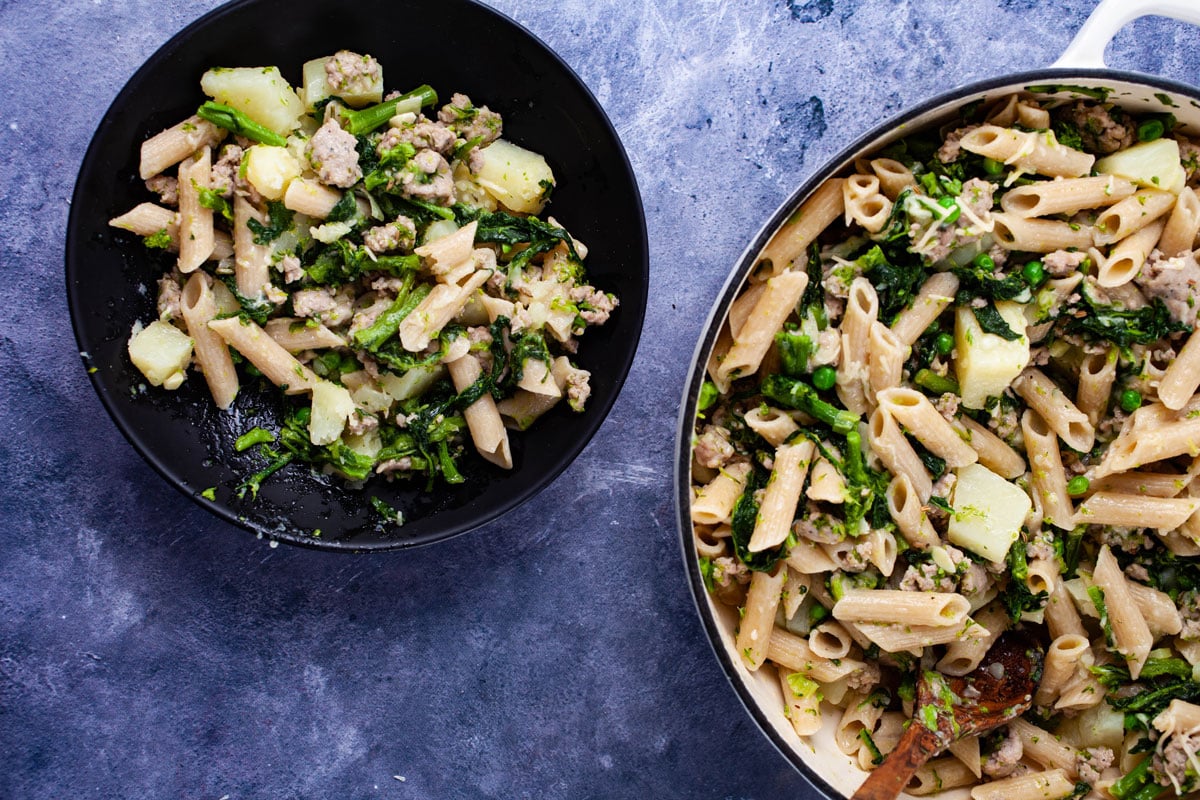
x=379, y=258
x=958, y=395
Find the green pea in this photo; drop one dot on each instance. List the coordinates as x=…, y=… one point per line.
x=984, y=261
x=1131, y=400
x=944, y=343
x=824, y=377
x=953, y=210
x=1078, y=485
x=1034, y=273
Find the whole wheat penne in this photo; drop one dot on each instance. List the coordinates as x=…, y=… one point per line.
x=268, y=356
x=790, y=242
x=169, y=147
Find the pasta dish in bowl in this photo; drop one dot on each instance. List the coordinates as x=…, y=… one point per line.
x=952, y=391
x=342, y=311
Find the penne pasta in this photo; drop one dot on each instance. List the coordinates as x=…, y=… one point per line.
x=483, y=419
x=1028, y=151
x=276, y=363
x=791, y=241
x=934, y=609
x=750, y=343
x=917, y=414
x=782, y=495
x=1061, y=415
x=168, y=148
x=1065, y=195
x=198, y=307
x=1132, y=214
x=762, y=601
x=1130, y=632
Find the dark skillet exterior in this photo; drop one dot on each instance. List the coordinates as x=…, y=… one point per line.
x=948, y=103
x=456, y=46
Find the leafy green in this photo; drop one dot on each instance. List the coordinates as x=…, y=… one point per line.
x=990, y=321
x=387, y=168
x=942, y=503
x=215, y=201
x=709, y=394
x=1067, y=549
x=1097, y=597
x=528, y=345
x=1067, y=134
x=1121, y=326
x=1016, y=597
x=386, y=513
x=706, y=573
x=344, y=210
x=1168, y=572
x=159, y=240
x=935, y=465
x=896, y=284
x=745, y=515
x=253, y=308
x=503, y=228
x=1114, y=676
x=279, y=222
x=1151, y=702
x=343, y=262
x=813, y=300
x=979, y=281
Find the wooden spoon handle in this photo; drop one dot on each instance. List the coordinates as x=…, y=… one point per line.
x=916, y=746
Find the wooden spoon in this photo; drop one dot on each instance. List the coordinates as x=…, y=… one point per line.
x=1000, y=689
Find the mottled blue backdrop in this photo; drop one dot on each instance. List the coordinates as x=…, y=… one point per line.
x=147, y=650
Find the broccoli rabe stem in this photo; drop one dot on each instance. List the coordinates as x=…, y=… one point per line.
x=233, y=120
x=1132, y=782
x=795, y=394
x=368, y=119
x=794, y=350
x=938, y=384
x=389, y=321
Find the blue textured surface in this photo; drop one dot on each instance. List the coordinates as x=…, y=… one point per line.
x=147, y=650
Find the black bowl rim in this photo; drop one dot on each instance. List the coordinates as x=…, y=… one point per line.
x=635, y=305
x=720, y=308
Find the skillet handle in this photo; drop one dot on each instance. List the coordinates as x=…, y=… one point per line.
x=1086, y=50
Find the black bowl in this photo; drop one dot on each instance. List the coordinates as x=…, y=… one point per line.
x=456, y=46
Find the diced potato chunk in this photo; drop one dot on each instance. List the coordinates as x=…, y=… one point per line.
x=331, y=407
x=372, y=399
x=315, y=87
x=1154, y=165
x=260, y=93
x=411, y=383
x=367, y=444
x=519, y=178
x=270, y=170
x=988, y=513
x=161, y=352
x=985, y=363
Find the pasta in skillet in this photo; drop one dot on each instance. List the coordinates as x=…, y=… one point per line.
x=386, y=270
x=958, y=394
